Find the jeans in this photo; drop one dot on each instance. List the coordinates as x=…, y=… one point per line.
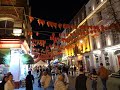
x=104, y=83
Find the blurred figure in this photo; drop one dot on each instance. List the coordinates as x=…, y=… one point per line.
x=5, y=78
x=45, y=80
x=59, y=83
x=29, y=81
x=103, y=73
x=9, y=85
x=94, y=79
x=75, y=70
x=80, y=83
x=66, y=79
x=40, y=75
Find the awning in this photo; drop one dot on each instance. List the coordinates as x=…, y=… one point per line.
x=27, y=59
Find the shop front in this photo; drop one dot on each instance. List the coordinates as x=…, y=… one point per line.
x=11, y=59
x=114, y=56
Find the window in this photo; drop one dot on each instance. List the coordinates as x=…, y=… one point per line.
x=6, y=27
x=103, y=39
x=75, y=23
x=115, y=36
x=83, y=16
x=89, y=9
x=97, y=1
x=94, y=45
x=99, y=16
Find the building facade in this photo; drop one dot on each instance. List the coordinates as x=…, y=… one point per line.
x=14, y=25
x=99, y=46
x=105, y=43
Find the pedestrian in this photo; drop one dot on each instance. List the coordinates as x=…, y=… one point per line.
x=80, y=83
x=9, y=85
x=94, y=79
x=5, y=78
x=29, y=81
x=59, y=83
x=103, y=73
x=66, y=79
x=74, y=70
x=45, y=80
x=40, y=75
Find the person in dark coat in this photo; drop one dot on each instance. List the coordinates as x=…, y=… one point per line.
x=5, y=78
x=29, y=81
x=80, y=83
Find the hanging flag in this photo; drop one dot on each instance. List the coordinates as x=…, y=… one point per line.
x=31, y=19
x=41, y=22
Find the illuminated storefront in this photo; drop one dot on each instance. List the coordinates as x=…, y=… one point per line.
x=11, y=54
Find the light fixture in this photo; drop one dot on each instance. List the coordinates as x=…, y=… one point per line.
x=81, y=41
x=93, y=8
x=17, y=32
x=97, y=52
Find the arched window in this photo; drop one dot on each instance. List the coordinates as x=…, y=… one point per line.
x=6, y=27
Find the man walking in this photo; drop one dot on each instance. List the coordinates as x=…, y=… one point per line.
x=81, y=81
x=29, y=81
x=103, y=73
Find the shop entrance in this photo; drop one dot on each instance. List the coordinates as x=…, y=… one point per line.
x=87, y=63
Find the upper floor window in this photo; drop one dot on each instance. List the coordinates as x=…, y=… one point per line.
x=89, y=9
x=78, y=20
x=83, y=16
x=99, y=16
x=75, y=23
x=94, y=44
x=6, y=27
x=103, y=39
x=97, y=1
x=116, y=37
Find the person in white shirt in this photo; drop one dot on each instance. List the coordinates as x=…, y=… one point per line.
x=66, y=79
x=9, y=85
x=45, y=80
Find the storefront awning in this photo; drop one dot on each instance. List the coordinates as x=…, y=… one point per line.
x=27, y=59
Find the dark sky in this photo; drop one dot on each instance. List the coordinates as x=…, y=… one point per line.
x=59, y=11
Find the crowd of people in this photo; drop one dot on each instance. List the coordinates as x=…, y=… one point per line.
x=59, y=77
x=103, y=73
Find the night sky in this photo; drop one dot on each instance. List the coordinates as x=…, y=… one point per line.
x=59, y=11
